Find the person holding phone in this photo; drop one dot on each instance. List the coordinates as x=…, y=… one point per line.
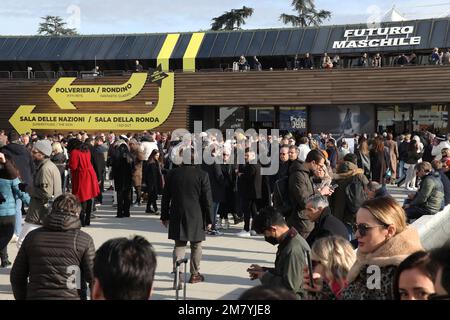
x=290, y=257
x=331, y=259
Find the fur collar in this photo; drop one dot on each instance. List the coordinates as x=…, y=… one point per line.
x=348, y=174
x=391, y=253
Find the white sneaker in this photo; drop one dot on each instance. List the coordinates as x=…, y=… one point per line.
x=14, y=239
x=253, y=233
x=243, y=234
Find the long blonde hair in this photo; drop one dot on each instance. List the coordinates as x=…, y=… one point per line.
x=336, y=255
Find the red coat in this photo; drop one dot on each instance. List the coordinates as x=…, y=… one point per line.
x=84, y=180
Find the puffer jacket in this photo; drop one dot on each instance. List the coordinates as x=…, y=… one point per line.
x=10, y=191
x=338, y=198
x=431, y=194
x=50, y=260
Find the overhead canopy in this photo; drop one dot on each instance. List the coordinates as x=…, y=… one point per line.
x=271, y=42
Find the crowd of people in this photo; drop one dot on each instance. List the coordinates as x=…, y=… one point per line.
x=327, y=200
x=307, y=61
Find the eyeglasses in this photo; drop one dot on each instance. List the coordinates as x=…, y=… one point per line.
x=363, y=229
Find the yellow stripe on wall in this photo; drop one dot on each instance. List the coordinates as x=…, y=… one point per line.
x=166, y=51
x=191, y=51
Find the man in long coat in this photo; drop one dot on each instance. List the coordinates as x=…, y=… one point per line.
x=186, y=209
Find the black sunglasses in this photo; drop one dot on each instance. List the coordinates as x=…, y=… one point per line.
x=439, y=297
x=363, y=229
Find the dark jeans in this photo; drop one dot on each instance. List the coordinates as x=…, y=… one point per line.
x=415, y=212
x=85, y=215
x=250, y=211
x=138, y=194
x=124, y=197
x=152, y=197
x=6, y=232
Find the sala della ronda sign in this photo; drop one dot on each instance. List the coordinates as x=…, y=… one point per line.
x=377, y=37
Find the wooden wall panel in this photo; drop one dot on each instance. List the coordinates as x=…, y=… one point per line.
x=421, y=84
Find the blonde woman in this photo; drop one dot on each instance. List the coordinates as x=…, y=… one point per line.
x=384, y=241
x=332, y=257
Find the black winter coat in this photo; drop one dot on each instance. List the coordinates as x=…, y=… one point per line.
x=22, y=159
x=250, y=182
x=327, y=225
x=60, y=161
x=153, y=177
x=44, y=266
x=446, y=183
x=187, y=203
x=217, y=181
x=229, y=203
x=99, y=162
x=379, y=164
x=403, y=151
x=122, y=168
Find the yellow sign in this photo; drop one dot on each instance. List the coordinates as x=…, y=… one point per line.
x=24, y=120
x=64, y=93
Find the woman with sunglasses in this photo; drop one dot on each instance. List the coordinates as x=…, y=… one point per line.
x=384, y=241
x=415, y=277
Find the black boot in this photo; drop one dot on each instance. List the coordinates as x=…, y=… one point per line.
x=82, y=218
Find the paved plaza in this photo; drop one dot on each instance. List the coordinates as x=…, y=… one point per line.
x=224, y=263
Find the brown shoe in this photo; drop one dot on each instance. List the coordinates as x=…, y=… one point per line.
x=196, y=278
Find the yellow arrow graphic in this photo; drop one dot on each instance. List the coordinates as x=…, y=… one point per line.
x=64, y=93
x=23, y=120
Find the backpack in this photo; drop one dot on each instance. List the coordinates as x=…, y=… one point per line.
x=281, y=200
x=355, y=195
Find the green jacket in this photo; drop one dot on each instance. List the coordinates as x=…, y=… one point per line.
x=46, y=185
x=289, y=264
x=431, y=194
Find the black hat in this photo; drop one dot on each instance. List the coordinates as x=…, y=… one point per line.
x=441, y=137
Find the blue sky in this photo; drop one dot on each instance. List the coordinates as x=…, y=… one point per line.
x=21, y=17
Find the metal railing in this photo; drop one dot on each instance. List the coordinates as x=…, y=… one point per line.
x=48, y=75
x=5, y=75
x=67, y=74
x=22, y=75
x=44, y=75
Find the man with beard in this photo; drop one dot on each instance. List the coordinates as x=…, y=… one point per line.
x=45, y=187
x=301, y=187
